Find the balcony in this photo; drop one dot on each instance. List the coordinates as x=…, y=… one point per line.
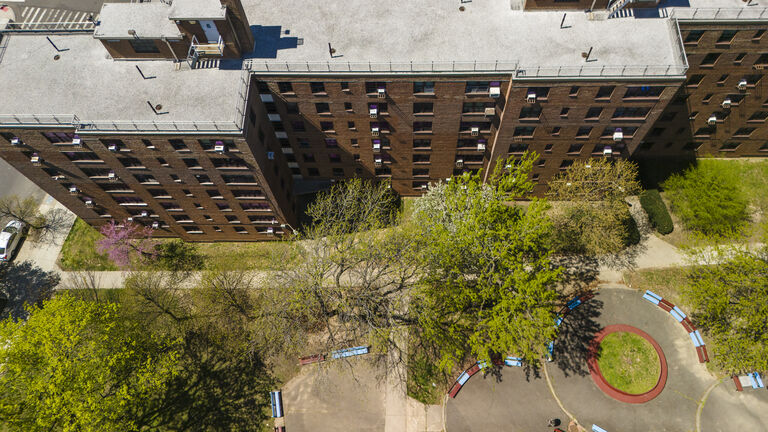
x=198, y=49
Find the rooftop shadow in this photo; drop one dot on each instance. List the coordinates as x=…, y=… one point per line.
x=268, y=40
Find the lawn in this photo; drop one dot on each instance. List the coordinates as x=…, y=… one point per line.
x=79, y=252
x=629, y=363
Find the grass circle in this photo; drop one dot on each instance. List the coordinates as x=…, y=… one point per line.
x=629, y=363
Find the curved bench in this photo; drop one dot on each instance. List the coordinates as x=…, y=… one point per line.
x=684, y=320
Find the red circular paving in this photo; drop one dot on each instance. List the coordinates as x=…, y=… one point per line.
x=615, y=393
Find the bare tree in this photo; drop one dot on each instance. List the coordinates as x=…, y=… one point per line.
x=44, y=227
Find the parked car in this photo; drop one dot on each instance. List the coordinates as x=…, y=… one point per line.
x=9, y=239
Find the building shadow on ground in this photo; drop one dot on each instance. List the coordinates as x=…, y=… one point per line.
x=576, y=332
x=24, y=283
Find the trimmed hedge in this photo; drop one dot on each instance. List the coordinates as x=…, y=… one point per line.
x=657, y=211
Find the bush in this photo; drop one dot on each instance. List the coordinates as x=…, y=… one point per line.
x=657, y=211
x=176, y=255
x=708, y=201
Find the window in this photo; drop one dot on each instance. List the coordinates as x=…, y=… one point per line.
x=424, y=87
x=373, y=87
x=423, y=108
x=477, y=87
x=605, y=92
x=326, y=126
x=744, y=132
x=420, y=172
x=643, y=92
x=739, y=58
x=722, y=79
x=344, y=86
x=338, y=172
x=292, y=107
x=144, y=46
x=285, y=87
x=565, y=164
x=540, y=92
x=707, y=98
x=422, y=126
x=758, y=116
x=331, y=143
x=657, y=131
x=383, y=171
x=420, y=158
x=593, y=113
x=303, y=143
x=758, y=35
x=178, y=145
x=704, y=132
x=762, y=60
x=752, y=79
x=709, y=59
x=57, y=137
x=564, y=112
x=475, y=107
x=627, y=131
x=524, y=131
x=631, y=112
x=584, y=132
x=517, y=148
x=529, y=112
x=334, y=157
x=351, y=125
x=556, y=131
x=323, y=108
x=271, y=107
x=575, y=148
x=313, y=172
x=574, y=92
x=298, y=126
x=726, y=36
x=348, y=107
x=548, y=148
x=693, y=36
x=353, y=142
x=422, y=144
x=317, y=87
x=729, y=146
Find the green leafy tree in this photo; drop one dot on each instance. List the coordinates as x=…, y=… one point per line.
x=489, y=287
x=728, y=297
x=78, y=366
x=708, y=201
x=591, y=216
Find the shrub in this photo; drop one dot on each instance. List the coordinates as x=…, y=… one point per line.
x=709, y=201
x=177, y=255
x=657, y=211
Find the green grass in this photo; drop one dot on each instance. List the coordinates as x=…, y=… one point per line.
x=629, y=362
x=79, y=252
x=79, y=249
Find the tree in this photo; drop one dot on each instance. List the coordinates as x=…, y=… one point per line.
x=177, y=255
x=77, y=366
x=125, y=241
x=591, y=216
x=727, y=294
x=489, y=286
x=44, y=227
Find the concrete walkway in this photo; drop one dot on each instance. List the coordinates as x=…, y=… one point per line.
x=45, y=254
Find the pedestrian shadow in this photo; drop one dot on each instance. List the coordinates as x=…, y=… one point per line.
x=25, y=283
x=576, y=332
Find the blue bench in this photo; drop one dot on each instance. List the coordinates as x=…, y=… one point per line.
x=462, y=379
x=596, y=428
x=696, y=338
x=573, y=303
x=482, y=364
x=678, y=314
x=276, y=398
x=652, y=297
x=550, y=350
x=348, y=352
x=558, y=321
x=755, y=380
x=513, y=361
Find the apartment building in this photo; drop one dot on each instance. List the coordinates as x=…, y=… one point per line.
x=203, y=118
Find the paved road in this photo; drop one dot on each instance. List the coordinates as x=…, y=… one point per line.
x=13, y=183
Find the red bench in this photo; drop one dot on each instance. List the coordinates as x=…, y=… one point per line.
x=473, y=370
x=702, y=353
x=664, y=304
x=689, y=327
x=454, y=390
x=311, y=359
x=737, y=381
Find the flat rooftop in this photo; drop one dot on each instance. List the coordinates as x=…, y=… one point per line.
x=130, y=20
x=87, y=83
x=436, y=30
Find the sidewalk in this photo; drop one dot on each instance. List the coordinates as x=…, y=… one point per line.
x=44, y=255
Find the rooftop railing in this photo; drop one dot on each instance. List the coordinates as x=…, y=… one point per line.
x=745, y=13
x=106, y=126
x=46, y=27
x=607, y=71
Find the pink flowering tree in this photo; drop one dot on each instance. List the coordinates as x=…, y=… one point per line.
x=124, y=241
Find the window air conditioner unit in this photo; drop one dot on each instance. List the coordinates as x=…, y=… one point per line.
x=36, y=160
x=607, y=151
x=423, y=187
x=155, y=225
x=73, y=190
x=618, y=135
x=531, y=98
x=374, y=111
x=742, y=85
x=459, y=163
x=726, y=103
x=376, y=147
x=490, y=112
x=129, y=219
x=494, y=91
x=382, y=93
x=481, y=146
x=112, y=176
x=77, y=142
x=475, y=131
x=270, y=230
x=15, y=141
x=112, y=147
x=144, y=213
x=374, y=131
x=377, y=162
x=712, y=120
x=89, y=203
x=219, y=147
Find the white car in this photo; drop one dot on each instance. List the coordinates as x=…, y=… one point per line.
x=9, y=239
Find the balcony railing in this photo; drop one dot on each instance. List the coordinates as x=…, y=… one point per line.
x=746, y=13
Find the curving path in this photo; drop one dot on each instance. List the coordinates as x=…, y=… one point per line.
x=518, y=404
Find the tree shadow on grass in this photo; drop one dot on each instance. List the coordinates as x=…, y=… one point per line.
x=576, y=333
x=25, y=283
